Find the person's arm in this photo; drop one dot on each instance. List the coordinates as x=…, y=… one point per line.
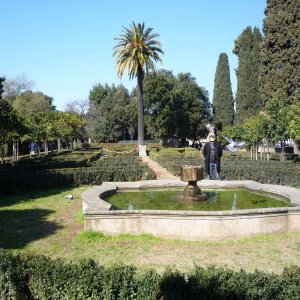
x=205, y=150
x=221, y=149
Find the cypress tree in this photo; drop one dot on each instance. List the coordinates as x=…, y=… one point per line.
x=280, y=69
x=247, y=48
x=2, y=79
x=223, y=103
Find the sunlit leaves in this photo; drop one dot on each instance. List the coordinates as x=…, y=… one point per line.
x=136, y=48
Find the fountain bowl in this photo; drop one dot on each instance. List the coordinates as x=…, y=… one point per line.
x=192, y=192
x=191, y=225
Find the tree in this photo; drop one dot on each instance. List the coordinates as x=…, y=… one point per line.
x=50, y=125
x=68, y=125
x=137, y=51
x=247, y=48
x=2, y=80
x=11, y=126
x=15, y=86
x=280, y=68
x=223, y=102
x=108, y=112
x=41, y=128
x=131, y=114
x=160, y=115
x=192, y=107
x=79, y=107
x=254, y=131
x=293, y=117
x=30, y=102
x=175, y=106
x=276, y=114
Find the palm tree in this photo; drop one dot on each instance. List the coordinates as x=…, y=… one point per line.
x=137, y=50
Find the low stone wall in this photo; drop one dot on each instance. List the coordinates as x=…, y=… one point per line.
x=191, y=225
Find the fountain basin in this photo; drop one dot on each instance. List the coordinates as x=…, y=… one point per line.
x=191, y=225
x=170, y=199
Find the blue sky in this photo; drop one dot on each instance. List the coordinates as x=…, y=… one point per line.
x=66, y=46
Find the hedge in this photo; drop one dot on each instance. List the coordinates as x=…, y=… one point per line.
x=66, y=159
x=29, y=277
x=105, y=169
x=273, y=172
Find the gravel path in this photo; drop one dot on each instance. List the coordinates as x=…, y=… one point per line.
x=161, y=173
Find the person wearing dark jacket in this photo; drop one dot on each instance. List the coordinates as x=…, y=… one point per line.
x=212, y=152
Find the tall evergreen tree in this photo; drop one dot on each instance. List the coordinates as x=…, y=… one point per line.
x=2, y=79
x=223, y=102
x=280, y=69
x=247, y=48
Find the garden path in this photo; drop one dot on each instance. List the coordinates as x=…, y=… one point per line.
x=161, y=173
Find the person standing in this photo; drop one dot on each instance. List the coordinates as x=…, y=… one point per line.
x=212, y=152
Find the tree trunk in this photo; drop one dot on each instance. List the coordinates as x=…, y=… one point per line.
x=58, y=145
x=282, y=143
x=18, y=150
x=2, y=152
x=140, y=98
x=39, y=148
x=256, y=153
x=46, y=148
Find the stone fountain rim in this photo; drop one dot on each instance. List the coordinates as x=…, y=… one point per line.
x=94, y=204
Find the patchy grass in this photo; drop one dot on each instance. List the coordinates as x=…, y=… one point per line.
x=47, y=223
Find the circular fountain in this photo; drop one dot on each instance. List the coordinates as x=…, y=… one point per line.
x=192, y=192
x=187, y=224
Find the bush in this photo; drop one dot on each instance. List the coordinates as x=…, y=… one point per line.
x=128, y=168
x=38, y=277
x=13, y=277
x=273, y=172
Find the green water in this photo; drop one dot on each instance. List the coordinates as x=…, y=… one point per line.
x=166, y=199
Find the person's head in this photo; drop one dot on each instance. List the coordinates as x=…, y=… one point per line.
x=212, y=138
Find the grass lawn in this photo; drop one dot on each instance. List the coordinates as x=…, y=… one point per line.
x=47, y=223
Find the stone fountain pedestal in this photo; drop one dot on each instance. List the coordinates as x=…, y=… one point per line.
x=192, y=192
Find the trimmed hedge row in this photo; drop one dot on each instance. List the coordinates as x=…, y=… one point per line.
x=37, y=277
x=62, y=160
x=116, y=169
x=273, y=172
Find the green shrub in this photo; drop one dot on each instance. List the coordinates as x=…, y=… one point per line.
x=38, y=277
x=66, y=159
x=13, y=277
x=105, y=169
x=55, y=279
x=235, y=168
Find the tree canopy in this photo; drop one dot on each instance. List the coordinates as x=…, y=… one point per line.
x=280, y=68
x=29, y=102
x=223, y=102
x=11, y=126
x=109, y=114
x=175, y=105
x=247, y=48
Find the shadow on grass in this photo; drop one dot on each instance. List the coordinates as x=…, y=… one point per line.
x=23, y=197
x=20, y=227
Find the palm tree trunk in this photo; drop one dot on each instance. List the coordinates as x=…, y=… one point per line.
x=140, y=98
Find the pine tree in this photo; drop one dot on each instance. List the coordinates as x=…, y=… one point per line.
x=247, y=48
x=280, y=69
x=223, y=102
